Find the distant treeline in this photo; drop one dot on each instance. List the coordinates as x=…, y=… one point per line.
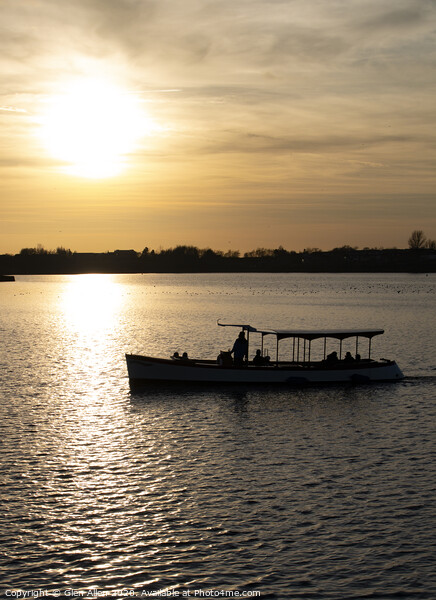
x=189, y=259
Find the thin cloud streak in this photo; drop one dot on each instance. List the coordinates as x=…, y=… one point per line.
x=12, y=109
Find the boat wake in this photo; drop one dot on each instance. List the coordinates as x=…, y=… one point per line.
x=419, y=379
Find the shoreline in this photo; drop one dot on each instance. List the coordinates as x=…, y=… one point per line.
x=193, y=260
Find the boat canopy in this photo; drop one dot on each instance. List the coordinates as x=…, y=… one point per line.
x=338, y=334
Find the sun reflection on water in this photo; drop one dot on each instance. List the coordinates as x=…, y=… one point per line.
x=91, y=302
x=93, y=451
x=89, y=328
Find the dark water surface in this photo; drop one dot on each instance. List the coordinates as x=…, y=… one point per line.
x=312, y=493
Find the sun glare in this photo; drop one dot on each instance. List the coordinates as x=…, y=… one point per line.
x=92, y=126
x=90, y=303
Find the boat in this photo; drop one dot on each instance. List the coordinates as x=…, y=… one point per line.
x=299, y=368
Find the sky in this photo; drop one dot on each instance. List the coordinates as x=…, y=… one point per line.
x=229, y=124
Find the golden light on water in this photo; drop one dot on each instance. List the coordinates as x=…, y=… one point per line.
x=89, y=326
x=91, y=303
x=92, y=126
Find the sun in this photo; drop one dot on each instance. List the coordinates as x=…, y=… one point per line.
x=92, y=126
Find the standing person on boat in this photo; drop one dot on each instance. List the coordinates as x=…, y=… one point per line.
x=240, y=349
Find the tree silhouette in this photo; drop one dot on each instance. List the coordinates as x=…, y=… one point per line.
x=417, y=240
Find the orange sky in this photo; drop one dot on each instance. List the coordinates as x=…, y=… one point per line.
x=223, y=124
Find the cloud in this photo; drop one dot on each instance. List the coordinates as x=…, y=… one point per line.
x=399, y=19
x=168, y=42
x=241, y=142
x=12, y=109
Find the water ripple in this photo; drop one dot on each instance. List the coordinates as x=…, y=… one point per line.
x=298, y=494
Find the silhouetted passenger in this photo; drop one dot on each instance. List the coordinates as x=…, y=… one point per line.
x=240, y=349
x=348, y=357
x=258, y=359
x=224, y=359
x=185, y=357
x=332, y=357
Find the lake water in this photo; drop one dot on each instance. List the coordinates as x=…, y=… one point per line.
x=213, y=492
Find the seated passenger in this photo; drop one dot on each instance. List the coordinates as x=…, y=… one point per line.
x=258, y=359
x=332, y=357
x=224, y=359
x=348, y=357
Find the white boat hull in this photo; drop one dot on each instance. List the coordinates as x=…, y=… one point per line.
x=143, y=369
